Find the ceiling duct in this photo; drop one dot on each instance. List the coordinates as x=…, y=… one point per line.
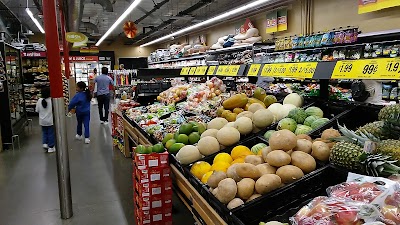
x=107, y=6
x=90, y=26
x=75, y=11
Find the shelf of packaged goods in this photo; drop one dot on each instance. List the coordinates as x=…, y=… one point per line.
x=196, y=201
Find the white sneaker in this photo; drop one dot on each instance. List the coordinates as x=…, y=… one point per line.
x=102, y=122
x=106, y=123
x=45, y=146
x=78, y=137
x=87, y=141
x=51, y=150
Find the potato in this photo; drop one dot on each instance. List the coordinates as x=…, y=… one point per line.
x=278, y=158
x=236, y=202
x=247, y=170
x=227, y=190
x=320, y=151
x=215, y=178
x=214, y=191
x=283, y=140
x=304, y=161
x=245, y=188
x=267, y=183
x=304, y=136
x=303, y=145
x=232, y=173
x=265, y=151
x=265, y=168
x=289, y=173
x=253, y=159
x=289, y=152
x=330, y=133
x=254, y=196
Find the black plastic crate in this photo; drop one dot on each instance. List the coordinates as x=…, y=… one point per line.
x=283, y=203
x=331, y=109
x=357, y=116
x=203, y=189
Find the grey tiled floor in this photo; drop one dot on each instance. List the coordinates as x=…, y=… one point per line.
x=100, y=177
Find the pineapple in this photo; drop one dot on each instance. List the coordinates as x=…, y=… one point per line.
x=390, y=148
x=349, y=153
x=374, y=128
x=388, y=111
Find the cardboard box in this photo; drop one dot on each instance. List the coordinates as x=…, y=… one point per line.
x=144, y=161
x=152, y=174
x=154, y=202
x=153, y=188
x=161, y=216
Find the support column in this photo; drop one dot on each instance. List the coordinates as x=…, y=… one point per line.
x=56, y=88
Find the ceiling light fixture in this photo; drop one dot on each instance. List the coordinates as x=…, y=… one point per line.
x=34, y=20
x=119, y=20
x=209, y=21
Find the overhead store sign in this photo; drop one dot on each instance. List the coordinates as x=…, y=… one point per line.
x=277, y=21
x=366, y=6
x=83, y=58
x=33, y=54
x=77, y=39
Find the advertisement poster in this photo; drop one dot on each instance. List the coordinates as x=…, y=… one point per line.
x=282, y=20
x=272, y=22
x=366, y=6
x=241, y=28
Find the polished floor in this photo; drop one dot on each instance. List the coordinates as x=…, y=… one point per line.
x=100, y=177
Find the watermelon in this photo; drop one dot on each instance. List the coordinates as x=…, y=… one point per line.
x=298, y=114
x=309, y=120
x=319, y=122
x=256, y=148
x=314, y=111
x=288, y=124
x=302, y=129
x=268, y=134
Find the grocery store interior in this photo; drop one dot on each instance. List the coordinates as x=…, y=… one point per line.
x=203, y=112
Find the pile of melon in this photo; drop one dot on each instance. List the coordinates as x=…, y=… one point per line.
x=247, y=174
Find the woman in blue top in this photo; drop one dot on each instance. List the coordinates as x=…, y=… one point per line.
x=81, y=103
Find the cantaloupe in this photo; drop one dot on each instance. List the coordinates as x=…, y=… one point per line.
x=228, y=136
x=255, y=106
x=244, y=125
x=246, y=114
x=208, y=145
x=217, y=123
x=263, y=118
x=209, y=132
x=188, y=154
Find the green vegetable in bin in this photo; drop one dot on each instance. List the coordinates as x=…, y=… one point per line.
x=158, y=148
x=141, y=149
x=167, y=137
x=175, y=148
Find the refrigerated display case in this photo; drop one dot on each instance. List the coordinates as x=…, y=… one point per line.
x=82, y=70
x=13, y=116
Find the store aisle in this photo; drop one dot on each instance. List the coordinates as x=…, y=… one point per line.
x=100, y=176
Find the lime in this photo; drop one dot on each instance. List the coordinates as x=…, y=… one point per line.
x=183, y=138
x=167, y=137
x=158, y=148
x=199, y=128
x=176, y=134
x=175, y=148
x=149, y=149
x=194, y=138
x=141, y=149
x=186, y=128
x=170, y=143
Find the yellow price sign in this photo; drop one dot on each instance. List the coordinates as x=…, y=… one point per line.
x=360, y=69
x=234, y=70
x=185, y=71
x=280, y=70
x=389, y=68
x=253, y=70
x=267, y=70
x=301, y=70
x=201, y=70
x=211, y=70
x=192, y=70
x=221, y=70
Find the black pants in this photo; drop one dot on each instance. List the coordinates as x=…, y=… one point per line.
x=103, y=102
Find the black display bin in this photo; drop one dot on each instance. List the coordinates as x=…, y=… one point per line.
x=285, y=202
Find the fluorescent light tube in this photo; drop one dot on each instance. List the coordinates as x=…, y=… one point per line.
x=119, y=20
x=209, y=21
x=34, y=20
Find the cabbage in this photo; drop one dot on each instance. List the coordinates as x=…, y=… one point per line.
x=294, y=99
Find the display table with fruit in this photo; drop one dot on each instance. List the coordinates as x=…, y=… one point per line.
x=261, y=160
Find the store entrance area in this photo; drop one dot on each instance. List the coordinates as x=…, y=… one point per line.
x=101, y=192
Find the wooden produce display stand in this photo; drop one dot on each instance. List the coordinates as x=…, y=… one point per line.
x=202, y=212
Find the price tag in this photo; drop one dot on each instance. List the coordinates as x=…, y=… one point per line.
x=185, y=71
x=211, y=70
x=267, y=70
x=201, y=70
x=389, y=68
x=222, y=70
x=301, y=70
x=192, y=70
x=253, y=70
x=358, y=69
x=234, y=70
x=280, y=70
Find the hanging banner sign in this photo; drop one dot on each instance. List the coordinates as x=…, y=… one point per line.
x=282, y=20
x=78, y=39
x=83, y=58
x=272, y=22
x=366, y=6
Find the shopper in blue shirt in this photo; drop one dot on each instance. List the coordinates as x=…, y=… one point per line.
x=104, y=82
x=81, y=103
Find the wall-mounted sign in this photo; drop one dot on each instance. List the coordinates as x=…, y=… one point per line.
x=282, y=20
x=366, y=6
x=33, y=54
x=83, y=58
x=78, y=39
x=272, y=22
